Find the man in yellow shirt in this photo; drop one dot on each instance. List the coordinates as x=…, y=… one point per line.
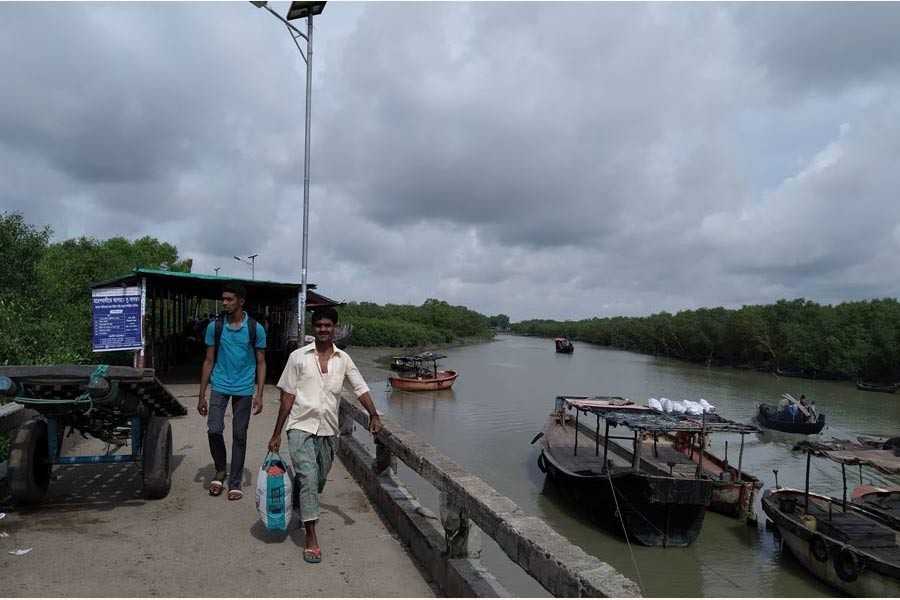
x=310, y=387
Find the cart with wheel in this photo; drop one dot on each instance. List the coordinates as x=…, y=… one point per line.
x=117, y=405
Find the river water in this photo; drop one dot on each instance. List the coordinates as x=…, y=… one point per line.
x=505, y=392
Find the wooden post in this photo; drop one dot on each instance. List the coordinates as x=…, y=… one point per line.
x=740, y=473
x=702, y=446
x=844, y=477
x=576, y=432
x=597, y=437
x=606, y=443
x=636, y=459
x=808, y=458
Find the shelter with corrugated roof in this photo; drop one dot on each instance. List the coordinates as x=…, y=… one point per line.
x=162, y=320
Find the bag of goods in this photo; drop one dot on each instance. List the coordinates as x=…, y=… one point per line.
x=273, y=493
x=707, y=407
x=654, y=404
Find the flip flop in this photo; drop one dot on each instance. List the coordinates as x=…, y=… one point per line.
x=217, y=485
x=235, y=494
x=312, y=556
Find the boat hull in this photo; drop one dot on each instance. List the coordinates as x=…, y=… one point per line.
x=734, y=494
x=871, y=577
x=651, y=510
x=442, y=380
x=766, y=414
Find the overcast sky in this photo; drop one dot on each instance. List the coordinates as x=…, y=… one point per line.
x=554, y=160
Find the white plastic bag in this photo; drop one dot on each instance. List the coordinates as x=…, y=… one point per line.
x=654, y=403
x=273, y=493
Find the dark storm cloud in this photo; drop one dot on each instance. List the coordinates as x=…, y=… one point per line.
x=538, y=159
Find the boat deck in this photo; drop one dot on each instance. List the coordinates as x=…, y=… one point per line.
x=561, y=443
x=852, y=528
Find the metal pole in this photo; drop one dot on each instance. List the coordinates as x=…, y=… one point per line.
x=740, y=473
x=301, y=305
x=597, y=437
x=575, y=453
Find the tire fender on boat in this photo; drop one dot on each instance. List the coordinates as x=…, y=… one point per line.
x=541, y=465
x=846, y=565
x=818, y=547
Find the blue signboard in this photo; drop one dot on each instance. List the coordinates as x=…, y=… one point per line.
x=117, y=318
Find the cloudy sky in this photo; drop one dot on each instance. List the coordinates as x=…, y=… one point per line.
x=557, y=160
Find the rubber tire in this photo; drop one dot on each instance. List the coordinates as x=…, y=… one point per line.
x=846, y=565
x=156, y=457
x=818, y=547
x=540, y=463
x=29, y=467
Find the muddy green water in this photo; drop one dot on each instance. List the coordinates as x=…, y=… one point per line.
x=502, y=398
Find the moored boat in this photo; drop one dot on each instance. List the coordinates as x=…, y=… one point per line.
x=882, y=455
x=414, y=375
x=875, y=387
x=648, y=492
x=842, y=544
x=563, y=345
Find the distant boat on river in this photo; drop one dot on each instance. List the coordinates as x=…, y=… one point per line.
x=874, y=387
x=563, y=345
x=804, y=420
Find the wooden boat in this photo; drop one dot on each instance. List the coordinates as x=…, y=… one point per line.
x=734, y=490
x=415, y=376
x=769, y=416
x=883, y=455
x=563, y=345
x=842, y=544
x=874, y=387
x=645, y=493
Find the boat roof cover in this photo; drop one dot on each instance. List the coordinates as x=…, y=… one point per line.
x=420, y=357
x=621, y=411
x=852, y=453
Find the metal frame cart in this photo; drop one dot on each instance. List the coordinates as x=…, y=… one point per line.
x=119, y=405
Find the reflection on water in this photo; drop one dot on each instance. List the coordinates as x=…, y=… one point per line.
x=505, y=393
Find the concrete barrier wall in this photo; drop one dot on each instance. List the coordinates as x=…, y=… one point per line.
x=558, y=565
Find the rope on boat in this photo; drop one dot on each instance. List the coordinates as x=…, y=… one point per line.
x=627, y=541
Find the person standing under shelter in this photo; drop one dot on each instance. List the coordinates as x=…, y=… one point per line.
x=235, y=365
x=311, y=386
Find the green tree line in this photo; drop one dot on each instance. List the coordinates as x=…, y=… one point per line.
x=843, y=341
x=45, y=300
x=403, y=325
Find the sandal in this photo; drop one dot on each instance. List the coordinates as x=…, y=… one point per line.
x=218, y=484
x=235, y=494
x=312, y=556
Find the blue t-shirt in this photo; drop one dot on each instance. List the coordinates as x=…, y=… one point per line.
x=235, y=370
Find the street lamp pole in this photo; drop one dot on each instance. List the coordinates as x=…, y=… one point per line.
x=251, y=262
x=300, y=10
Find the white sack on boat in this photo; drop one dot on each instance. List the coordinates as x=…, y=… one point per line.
x=654, y=403
x=693, y=408
x=667, y=405
x=678, y=408
x=707, y=407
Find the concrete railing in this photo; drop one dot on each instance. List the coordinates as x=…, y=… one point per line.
x=447, y=552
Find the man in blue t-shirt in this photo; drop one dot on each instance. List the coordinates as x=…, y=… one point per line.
x=235, y=368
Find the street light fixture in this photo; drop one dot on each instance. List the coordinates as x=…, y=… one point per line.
x=302, y=10
x=251, y=262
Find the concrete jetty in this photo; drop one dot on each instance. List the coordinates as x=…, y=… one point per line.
x=96, y=535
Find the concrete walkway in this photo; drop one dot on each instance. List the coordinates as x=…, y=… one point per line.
x=95, y=534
